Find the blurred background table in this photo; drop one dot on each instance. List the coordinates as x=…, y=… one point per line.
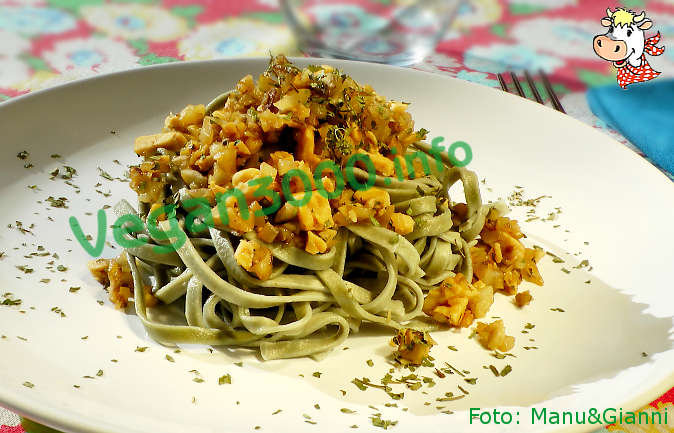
x=48, y=42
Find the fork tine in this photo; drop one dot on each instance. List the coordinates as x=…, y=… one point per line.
x=516, y=82
x=502, y=82
x=553, y=96
x=533, y=88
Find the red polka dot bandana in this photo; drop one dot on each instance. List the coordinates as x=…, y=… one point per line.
x=629, y=74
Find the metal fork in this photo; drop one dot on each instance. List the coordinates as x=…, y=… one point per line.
x=546, y=84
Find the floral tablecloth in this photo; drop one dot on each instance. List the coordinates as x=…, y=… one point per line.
x=47, y=42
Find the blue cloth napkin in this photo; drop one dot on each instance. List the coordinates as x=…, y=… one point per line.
x=643, y=113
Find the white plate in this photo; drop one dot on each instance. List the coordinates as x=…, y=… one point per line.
x=589, y=356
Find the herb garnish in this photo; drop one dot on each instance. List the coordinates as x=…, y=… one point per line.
x=225, y=379
x=377, y=421
x=104, y=174
x=9, y=301
x=58, y=310
x=58, y=202
x=69, y=172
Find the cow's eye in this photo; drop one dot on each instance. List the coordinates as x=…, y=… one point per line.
x=629, y=33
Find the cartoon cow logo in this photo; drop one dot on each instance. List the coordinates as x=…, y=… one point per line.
x=625, y=45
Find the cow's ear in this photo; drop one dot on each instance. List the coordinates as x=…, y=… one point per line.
x=606, y=22
x=645, y=25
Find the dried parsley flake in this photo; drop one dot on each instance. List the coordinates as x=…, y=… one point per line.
x=377, y=421
x=225, y=379
x=60, y=202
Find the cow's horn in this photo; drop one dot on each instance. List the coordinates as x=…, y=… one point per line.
x=608, y=12
x=640, y=17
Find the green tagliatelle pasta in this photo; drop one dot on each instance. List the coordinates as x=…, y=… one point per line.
x=272, y=275
x=311, y=303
